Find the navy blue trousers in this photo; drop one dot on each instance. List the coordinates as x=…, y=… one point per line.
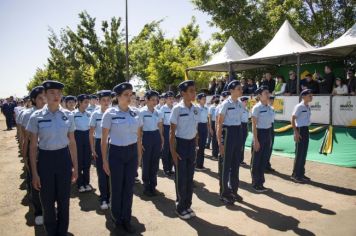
x=83, y=155
x=55, y=171
x=301, y=150
x=214, y=141
x=151, y=141
x=203, y=135
x=103, y=178
x=185, y=173
x=167, y=160
x=259, y=159
x=230, y=162
x=244, y=128
x=123, y=162
x=270, y=152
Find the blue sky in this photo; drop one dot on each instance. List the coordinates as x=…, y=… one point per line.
x=24, y=29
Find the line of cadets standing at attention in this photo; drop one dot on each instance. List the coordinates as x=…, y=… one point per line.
x=60, y=136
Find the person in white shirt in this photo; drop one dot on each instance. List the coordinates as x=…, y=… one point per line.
x=340, y=88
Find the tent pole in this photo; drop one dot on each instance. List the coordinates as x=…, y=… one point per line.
x=230, y=72
x=298, y=73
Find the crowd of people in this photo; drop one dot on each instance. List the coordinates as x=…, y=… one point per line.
x=320, y=84
x=59, y=137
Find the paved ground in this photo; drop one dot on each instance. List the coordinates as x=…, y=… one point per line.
x=326, y=206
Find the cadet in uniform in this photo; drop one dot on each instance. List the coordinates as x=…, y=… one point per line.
x=70, y=102
x=38, y=101
x=212, y=129
x=95, y=141
x=162, y=101
x=229, y=136
x=269, y=166
x=152, y=142
x=166, y=114
x=244, y=127
x=202, y=130
x=122, y=125
x=92, y=103
x=81, y=134
x=52, y=132
x=300, y=123
x=183, y=139
x=262, y=118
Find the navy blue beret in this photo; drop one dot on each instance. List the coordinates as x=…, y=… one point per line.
x=104, y=93
x=52, y=84
x=93, y=96
x=169, y=94
x=26, y=97
x=216, y=96
x=225, y=94
x=178, y=96
x=242, y=99
x=151, y=93
x=82, y=97
x=163, y=95
x=185, y=84
x=70, y=98
x=233, y=84
x=63, y=99
x=118, y=89
x=113, y=94
x=201, y=95
x=261, y=89
x=306, y=92
x=35, y=91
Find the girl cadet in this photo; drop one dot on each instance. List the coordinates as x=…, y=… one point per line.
x=38, y=100
x=122, y=124
x=229, y=134
x=92, y=103
x=152, y=142
x=262, y=118
x=212, y=130
x=166, y=153
x=244, y=127
x=202, y=130
x=184, y=120
x=95, y=140
x=52, y=135
x=81, y=134
x=70, y=102
x=300, y=123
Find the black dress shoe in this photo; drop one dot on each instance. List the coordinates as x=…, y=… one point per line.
x=171, y=172
x=128, y=227
x=167, y=173
x=237, y=197
x=269, y=169
x=305, y=178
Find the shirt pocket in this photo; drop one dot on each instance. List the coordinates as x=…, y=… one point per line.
x=44, y=125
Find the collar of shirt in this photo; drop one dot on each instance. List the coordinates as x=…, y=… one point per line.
x=46, y=111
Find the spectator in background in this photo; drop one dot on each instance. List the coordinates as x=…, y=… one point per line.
x=291, y=87
x=212, y=86
x=351, y=81
x=327, y=81
x=311, y=84
x=269, y=82
x=250, y=87
x=220, y=87
x=243, y=84
x=280, y=87
x=340, y=88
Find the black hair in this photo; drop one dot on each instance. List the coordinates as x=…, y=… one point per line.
x=281, y=77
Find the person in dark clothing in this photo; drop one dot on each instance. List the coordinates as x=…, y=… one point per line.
x=291, y=87
x=311, y=84
x=351, y=81
x=327, y=81
x=250, y=87
x=8, y=111
x=212, y=87
x=269, y=82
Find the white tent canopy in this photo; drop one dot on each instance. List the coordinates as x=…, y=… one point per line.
x=282, y=49
x=220, y=61
x=343, y=46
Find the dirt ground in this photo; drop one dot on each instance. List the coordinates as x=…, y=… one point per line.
x=325, y=206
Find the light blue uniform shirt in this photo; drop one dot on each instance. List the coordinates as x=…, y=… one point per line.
x=302, y=114
x=149, y=120
x=52, y=128
x=81, y=120
x=212, y=112
x=123, y=126
x=166, y=114
x=245, y=114
x=19, y=117
x=264, y=115
x=186, y=119
x=91, y=108
x=26, y=116
x=232, y=112
x=203, y=114
x=95, y=121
